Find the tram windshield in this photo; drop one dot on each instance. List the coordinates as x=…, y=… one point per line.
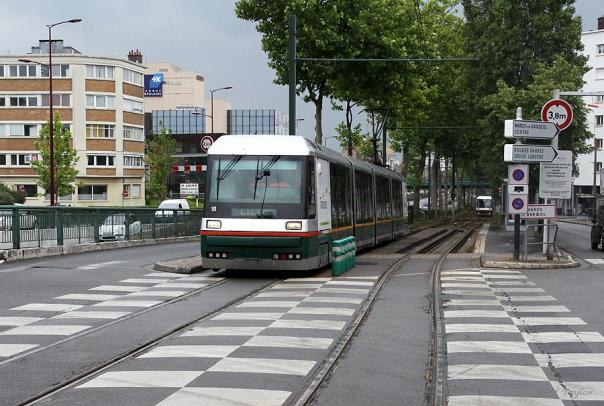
x=254, y=186
x=484, y=203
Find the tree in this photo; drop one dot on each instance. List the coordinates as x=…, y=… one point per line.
x=10, y=196
x=65, y=158
x=160, y=160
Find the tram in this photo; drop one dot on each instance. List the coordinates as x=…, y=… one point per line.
x=484, y=206
x=279, y=202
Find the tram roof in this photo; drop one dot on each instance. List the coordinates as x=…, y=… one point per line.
x=262, y=144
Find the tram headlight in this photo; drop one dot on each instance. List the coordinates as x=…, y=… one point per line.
x=213, y=224
x=293, y=225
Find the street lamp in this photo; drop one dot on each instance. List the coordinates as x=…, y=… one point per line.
x=197, y=114
x=327, y=138
x=51, y=124
x=212, y=101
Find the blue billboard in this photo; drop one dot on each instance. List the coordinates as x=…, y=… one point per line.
x=153, y=85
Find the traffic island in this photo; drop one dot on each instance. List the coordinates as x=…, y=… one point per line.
x=506, y=261
x=182, y=265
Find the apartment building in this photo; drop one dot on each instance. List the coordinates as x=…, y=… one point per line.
x=100, y=99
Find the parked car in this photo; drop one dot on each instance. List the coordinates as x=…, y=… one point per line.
x=167, y=208
x=27, y=219
x=114, y=227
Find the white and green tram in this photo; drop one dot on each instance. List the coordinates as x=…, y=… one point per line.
x=278, y=202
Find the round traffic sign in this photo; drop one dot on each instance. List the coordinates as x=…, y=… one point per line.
x=557, y=111
x=206, y=142
x=518, y=203
x=125, y=193
x=518, y=175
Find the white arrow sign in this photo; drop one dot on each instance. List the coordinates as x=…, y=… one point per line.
x=529, y=153
x=540, y=130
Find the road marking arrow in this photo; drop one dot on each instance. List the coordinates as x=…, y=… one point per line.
x=539, y=130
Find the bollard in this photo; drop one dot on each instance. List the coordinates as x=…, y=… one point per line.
x=348, y=253
x=354, y=251
x=336, y=258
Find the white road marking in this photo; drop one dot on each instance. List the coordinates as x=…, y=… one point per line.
x=309, y=324
x=571, y=360
x=190, y=351
x=548, y=321
x=344, y=290
x=507, y=372
x=536, y=309
x=181, y=285
x=520, y=290
x=595, y=261
x=494, y=276
x=349, y=283
x=51, y=330
x=450, y=314
x=99, y=265
x=222, y=331
x=462, y=279
x=142, y=280
x=225, y=396
x=287, y=294
x=142, y=379
x=328, y=299
x=374, y=277
x=289, y=342
x=201, y=279
x=48, y=307
x=481, y=328
x=564, y=337
x=158, y=293
x=269, y=303
x=164, y=275
x=478, y=400
x=18, y=321
x=516, y=283
x=499, y=271
x=471, y=302
x=8, y=350
x=297, y=286
x=128, y=303
x=579, y=390
x=468, y=292
x=91, y=315
x=464, y=285
x=452, y=273
x=116, y=288
x=307, y=279
x=527, y=298
x=264, y=366
x=332, y=311
x=87, y=296
x=507, y=347
x=247, y=316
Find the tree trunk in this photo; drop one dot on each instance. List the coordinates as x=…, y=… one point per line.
x=435, y=183
x=349, y=125
x=318, y=119
x=405, y=161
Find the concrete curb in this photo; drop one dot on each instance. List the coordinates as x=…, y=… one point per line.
x=582, y=223
x=183, y=265
x=510, y=264
x=29, y=253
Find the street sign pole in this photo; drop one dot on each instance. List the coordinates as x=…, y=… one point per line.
x=517, y=216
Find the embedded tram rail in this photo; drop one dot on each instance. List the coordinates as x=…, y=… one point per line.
x=454, y=238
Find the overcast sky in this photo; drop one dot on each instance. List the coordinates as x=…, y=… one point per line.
x=203, y=36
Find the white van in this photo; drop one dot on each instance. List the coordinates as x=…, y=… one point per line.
x=167, y=207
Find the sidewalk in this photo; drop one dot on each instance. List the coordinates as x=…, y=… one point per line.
x=499, y=253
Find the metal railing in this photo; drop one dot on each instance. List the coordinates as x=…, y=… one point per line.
x=552, y=242
x=29, y=226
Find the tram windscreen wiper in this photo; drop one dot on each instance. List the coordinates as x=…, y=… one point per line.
x=227, y=172
x=265, y=171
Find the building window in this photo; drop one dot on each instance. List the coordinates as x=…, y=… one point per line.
x=134, y=161
x=19, y=101
x=134, y=191
x=600, y=49
x=100, y=101
x=99, y=72
x=598, y=143
x=21, y=159
x=92, y=192
x=133, y=106
x=99, y=130
x=23, y=71
x=133, y=77
x=599, y=73
x=58, y=100
x=599, y=120
x=599, y=99
x=2, y=160
x=58, y=71
x=101, y=160
x=23, y=130
x=1, y=71
x=29, y=190
x=134, y=133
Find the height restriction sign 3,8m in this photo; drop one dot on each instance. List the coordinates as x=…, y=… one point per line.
x=557, y=111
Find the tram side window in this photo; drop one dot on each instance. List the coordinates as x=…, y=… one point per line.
x=341, y=201
x=363, y=191
x=397, y=198
x=312, y=205
x=382, y=197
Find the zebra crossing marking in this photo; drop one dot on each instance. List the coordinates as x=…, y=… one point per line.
x=142, y=379
x=480, y=400
x=190, y=351
x=506, y=372
x=18, y=321
x=46, y=330
x=289, y=342
x=48, y=307
x=481, y=328
x=563, y=337
x=8, y=350
x=83, y=314
x=507, y=347
x=263, y=366
x=226, y=396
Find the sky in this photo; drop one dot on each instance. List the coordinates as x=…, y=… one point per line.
x=203, y=36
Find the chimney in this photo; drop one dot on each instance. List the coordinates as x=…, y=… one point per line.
x=137, y=56
x=601, y=23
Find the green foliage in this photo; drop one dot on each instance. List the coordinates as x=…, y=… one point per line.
x=10, y=196
x=160, y=160
x=65, y=158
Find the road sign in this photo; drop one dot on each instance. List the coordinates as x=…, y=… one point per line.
x=205, y=143
x=557, y=111
x=538, y=130
x=528, y=153
x=125, y=194
x=517, y=189
x=539, y=211
x=555, y=178
x=518, y=174
x=189, y=189
x=517, y=204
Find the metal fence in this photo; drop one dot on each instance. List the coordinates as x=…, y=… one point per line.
x=29, y=226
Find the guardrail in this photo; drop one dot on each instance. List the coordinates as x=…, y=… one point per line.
x=32, y=226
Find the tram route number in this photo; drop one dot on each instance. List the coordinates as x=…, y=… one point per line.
x=212, y=208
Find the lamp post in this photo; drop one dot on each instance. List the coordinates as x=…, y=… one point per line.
x=327, y=138
x=51, y=124
x=212, y=101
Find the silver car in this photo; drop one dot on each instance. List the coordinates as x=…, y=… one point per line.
x=114, y=227
x=27, y=219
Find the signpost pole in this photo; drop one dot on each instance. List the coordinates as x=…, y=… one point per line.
x=547, y=247
x=517, y=216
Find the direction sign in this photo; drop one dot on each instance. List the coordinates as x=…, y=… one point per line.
x=528, y=153
x=557, y=111
x=555, y=178
x=518, y=175
x=539, y=211
x=539, y=130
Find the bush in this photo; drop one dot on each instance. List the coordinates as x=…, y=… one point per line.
x=9, y=196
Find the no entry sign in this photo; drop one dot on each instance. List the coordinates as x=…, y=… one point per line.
x=557, y=111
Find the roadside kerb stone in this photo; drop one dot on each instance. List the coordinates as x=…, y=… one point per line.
x=29, y=253
x=181, y=265
x=532, y=262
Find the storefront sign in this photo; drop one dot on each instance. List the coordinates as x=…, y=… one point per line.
x=154, y=85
